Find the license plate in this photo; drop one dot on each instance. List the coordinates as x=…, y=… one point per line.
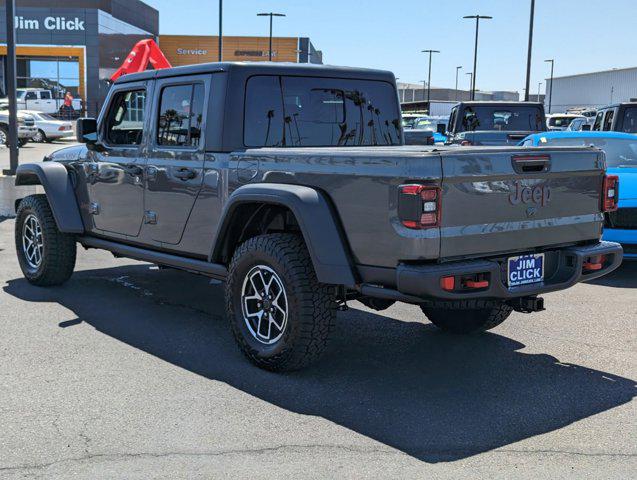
x=526, y=269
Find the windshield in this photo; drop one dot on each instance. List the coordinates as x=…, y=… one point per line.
x=44, y=116
x=620, y=152
x=408, y=121
x=560, y=121
x=505, y=118
x=428, y=124
x=21, y=94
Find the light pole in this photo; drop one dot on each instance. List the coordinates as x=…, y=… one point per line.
x=470, y=80
x=528, y=58
x=429, y=77
x=475, y=51
x=270, y=14
x=220, y=29
x=12, y=136
x=457, y=70
x=552, y=62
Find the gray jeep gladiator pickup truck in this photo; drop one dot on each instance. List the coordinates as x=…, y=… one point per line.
x=494, y=123
x=291, y=184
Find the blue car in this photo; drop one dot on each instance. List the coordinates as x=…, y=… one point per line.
x=621, y=159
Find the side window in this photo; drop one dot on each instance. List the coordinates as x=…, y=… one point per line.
x=125, y=120
x=31, y=96
x=45, y=95
x=598, y=120
x=263, y=122
x=452, y=119
x=181, y=116
x=608, y=120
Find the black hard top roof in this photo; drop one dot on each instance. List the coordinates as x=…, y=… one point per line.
x=264, y=68
x=498, y=103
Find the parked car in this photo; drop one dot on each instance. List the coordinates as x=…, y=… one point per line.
x=50, y=128
x=579, y=124
x=620, y=117
x=561, y=121
x=291, y=184
x=495, y=123
x=408, y=119
x=436, y=125
x=621, y=160
x=41, y=100
x=26, y=128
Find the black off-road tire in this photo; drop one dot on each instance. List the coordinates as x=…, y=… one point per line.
x=467, y=316
x=311, y=305
x=58, y=249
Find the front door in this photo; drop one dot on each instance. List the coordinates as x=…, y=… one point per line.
x=175, y=168
x=115, y=169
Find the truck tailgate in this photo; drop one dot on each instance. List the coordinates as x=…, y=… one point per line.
x=515, y=199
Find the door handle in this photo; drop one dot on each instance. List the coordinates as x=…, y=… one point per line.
x=133, y=169
x=185, y=173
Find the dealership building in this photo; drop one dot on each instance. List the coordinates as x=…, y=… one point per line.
x=76, y=45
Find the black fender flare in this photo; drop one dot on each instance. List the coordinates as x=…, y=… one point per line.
x=57, y=184
x=317, y=219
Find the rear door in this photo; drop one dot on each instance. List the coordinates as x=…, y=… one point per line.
x=174, y=174
x=506, y=200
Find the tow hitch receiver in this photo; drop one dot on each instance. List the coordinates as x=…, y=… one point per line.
x=527, y=304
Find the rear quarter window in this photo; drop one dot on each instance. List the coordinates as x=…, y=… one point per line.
x=315, y=112
x=484, y=117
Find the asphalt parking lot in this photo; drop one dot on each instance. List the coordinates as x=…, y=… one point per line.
x=128, y=371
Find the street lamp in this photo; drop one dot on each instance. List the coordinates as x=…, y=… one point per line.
x=270, y=14
x=528, y=58
x=470, y=79
x=220, y=28
x=475, y=50
x=552, y=62
x=457, y=69
x=429, y=77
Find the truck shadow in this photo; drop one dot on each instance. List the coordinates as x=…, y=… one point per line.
x=624, y=277
x=436, y=397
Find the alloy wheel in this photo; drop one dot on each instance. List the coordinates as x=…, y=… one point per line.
x=264, y=304
x=32, y=241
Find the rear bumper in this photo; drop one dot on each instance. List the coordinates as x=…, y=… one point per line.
x=627, y=239
x=564, y=268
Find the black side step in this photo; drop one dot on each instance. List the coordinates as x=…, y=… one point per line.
x=202, y=267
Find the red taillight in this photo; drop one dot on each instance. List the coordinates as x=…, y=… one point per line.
x=419, y=206
x=610, y=193
x=62, y=128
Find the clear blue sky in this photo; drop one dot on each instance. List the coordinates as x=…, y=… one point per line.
x=390, y=34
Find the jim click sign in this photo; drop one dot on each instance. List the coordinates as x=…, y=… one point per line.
x=50, y=23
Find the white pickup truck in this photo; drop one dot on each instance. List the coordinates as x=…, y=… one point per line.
x=40, y=100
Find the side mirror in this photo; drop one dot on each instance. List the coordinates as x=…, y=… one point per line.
x=586, y=128
x=441, y=129
x=86, y=130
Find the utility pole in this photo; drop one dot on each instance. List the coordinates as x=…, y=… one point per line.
x=552, y=62
x=528, y=58
x=475, y=51
x=457, y=69
x=429, y=77
x=11, y=89
x=271, y=15
x=220, y=30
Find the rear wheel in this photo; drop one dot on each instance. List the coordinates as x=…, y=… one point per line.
x=280, y=315
x=40, y=137
x=46, y=255
x=467, y=317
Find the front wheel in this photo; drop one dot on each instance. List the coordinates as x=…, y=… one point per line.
x=46, y=255
x=22, y=142
x=279, y=313
x=467, y=317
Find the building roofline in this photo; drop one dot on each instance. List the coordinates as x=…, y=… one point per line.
x=593, y=73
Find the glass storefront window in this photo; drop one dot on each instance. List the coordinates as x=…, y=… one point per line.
x=57, y=74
